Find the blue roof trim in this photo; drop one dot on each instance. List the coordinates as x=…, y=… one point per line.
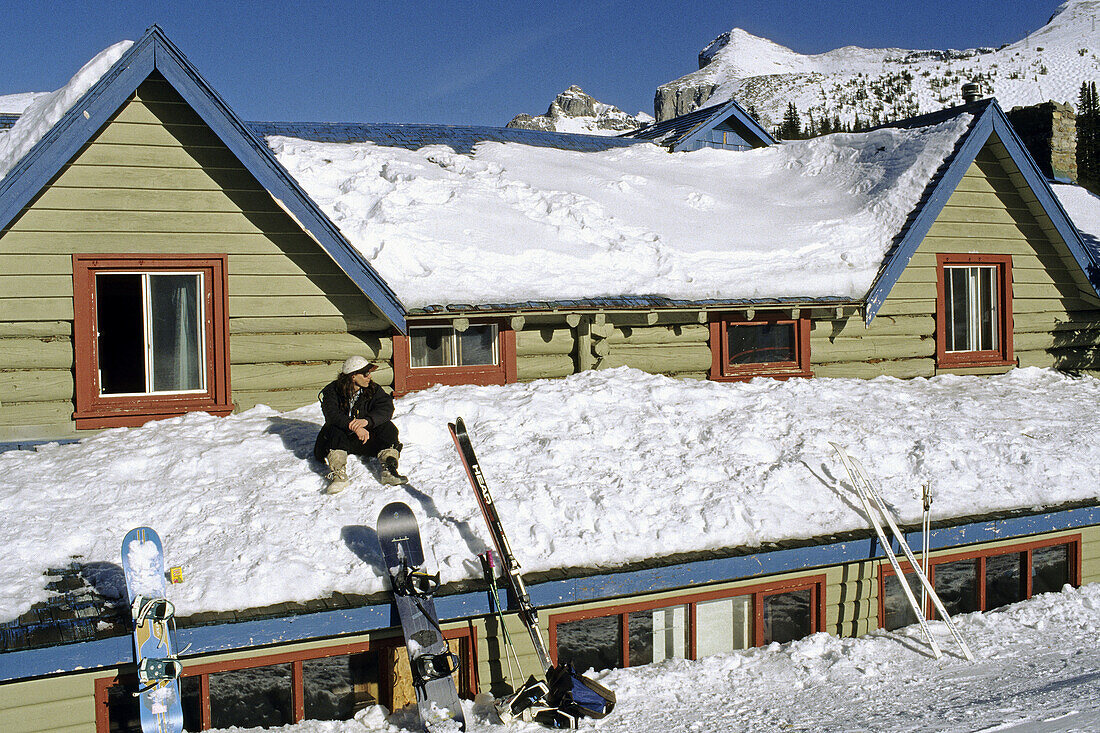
x=224, y=637
x=460, y=138
x=990, y=119
x=154, y=51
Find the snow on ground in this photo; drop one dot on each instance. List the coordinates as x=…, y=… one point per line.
x=44, y=112
x=1036, y=670
x=595, y=470
x=515, y=223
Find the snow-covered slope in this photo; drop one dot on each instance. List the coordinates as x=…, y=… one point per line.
x=513, y=223
x=1049, y=64
x=579, y=113
x=597, y=470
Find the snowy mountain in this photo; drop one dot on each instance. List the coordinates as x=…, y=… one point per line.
x=577, y=112
x=889, y=83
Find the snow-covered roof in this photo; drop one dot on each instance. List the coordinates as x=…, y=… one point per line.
x=675, y=467
x=1083, y=207
x=512, y=223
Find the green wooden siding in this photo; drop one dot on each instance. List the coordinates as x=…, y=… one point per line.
x=157, y=180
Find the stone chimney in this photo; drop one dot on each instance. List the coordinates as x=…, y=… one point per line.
x=1049, y=132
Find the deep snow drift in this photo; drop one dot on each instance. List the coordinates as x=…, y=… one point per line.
x=513, y=223
x=595, y=470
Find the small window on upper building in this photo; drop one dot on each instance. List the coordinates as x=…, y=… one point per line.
x=444, y=353
x=764, y=346
x=974, y=310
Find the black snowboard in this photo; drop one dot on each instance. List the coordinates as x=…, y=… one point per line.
x=429, y=656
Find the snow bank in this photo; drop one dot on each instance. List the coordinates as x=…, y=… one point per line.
x=44, y=112
x=599, y=469
x=513, y=223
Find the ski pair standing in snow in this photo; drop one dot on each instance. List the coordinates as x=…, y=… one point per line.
x=359, y=421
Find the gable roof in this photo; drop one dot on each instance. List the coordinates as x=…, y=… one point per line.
x=154, y=52
x=460, y=138
x=678, y=133
x=988, y=120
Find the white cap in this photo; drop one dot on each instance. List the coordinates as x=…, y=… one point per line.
x=354, y=364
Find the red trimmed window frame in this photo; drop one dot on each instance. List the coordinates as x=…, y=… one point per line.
x=94, y=410
x=813, y=583
x=467, y=672
x=722, y=371
x=407, y=378
x=1073, y=541
x=1002, y=356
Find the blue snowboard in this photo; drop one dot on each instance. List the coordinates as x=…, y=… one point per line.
x=429, y=656
x=143, y=562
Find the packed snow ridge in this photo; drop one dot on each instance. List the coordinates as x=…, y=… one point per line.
x=598, y=470
x=512, y=223
x=1049, y=64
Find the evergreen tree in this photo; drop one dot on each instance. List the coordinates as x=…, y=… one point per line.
x=753, y=113
x=1088, y=136
x=791, y=129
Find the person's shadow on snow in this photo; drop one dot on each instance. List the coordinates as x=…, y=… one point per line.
x=472, y=540
x=298, y=437
x=363, y=542
x=107, y=579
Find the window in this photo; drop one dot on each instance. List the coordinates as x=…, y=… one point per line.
x=281, y=689
x=453, y=353
x=983, y=580
x=764, y=346
x=150, y=337
x=690, y=627
x=974, y=310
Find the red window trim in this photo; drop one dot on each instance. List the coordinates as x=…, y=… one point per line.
x=467, y=674
x=96, y=411
x=406, y=379
x=1000, y=357
x=814, y=583
x=887, y=571
x=721, y=371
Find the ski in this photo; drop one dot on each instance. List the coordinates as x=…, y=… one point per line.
x=565, y=696
x=431, y=660
x=158, y=669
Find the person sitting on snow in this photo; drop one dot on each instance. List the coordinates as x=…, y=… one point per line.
x=359, y=420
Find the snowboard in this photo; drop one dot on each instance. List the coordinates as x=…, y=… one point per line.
x=158, y=670
x=431, y=660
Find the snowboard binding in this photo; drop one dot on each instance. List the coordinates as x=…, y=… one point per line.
x=159, y=610
x=436, y=666
x=415, y=582
x=157, y=672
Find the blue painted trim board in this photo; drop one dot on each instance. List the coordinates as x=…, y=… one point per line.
x=155, y=52
x=328, y=624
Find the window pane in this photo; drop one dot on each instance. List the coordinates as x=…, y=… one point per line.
x=657, y=635
x=175, y=306
x=787, y=616
x=899, y=612
x=1050, y=566
x=338, y=687
x=1004, y=579
x=476, y=344
x=594, y=643
x=121, y=327
x=956, y=296
x=251, y=698
x=761, y=343
x=123, y=714
x=987, y=288
x=723, y=625
x=957, y=585
x=191, y=697
x=432, y=346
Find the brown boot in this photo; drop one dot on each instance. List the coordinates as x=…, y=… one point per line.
x=337, y=461
x=390, y=475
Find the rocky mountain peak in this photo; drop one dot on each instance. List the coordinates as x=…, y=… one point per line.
x=575, y=111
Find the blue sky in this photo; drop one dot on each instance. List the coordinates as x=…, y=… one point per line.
x=468, y=62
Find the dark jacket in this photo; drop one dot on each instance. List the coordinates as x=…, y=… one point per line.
x=373, y=404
